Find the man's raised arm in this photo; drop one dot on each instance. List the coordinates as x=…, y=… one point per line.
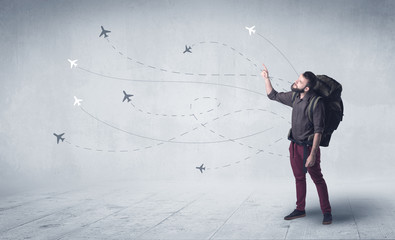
x=268, y=84
x=272, y=94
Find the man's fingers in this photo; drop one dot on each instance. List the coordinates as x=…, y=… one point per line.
x=310, y=164
x=265, y=72
x=264, y=67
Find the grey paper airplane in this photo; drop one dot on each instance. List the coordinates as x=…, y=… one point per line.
x=59, y=137
x=187, y=49
x=201, y=168
x=104, y=32
x=127, y=96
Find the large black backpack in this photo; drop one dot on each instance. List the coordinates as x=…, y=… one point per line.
x=329, y=90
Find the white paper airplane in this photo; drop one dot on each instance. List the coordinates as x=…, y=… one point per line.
x=77, y=101
x=72, y=63
x=251, y=29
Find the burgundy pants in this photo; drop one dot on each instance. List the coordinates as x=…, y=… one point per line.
x=297, y=153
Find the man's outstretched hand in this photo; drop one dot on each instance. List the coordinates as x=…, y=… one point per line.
x=265, y=72
x=265, y=75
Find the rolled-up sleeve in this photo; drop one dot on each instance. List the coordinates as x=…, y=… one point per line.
x=282, y=97
x=319, y=117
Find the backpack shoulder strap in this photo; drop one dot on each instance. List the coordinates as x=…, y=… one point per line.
x=311, y=107
x=294, y=95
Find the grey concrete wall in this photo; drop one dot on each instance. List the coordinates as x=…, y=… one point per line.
x=352, y=41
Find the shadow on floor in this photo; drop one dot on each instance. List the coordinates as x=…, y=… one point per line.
x=347, y=210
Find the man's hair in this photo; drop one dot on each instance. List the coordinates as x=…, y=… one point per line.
x=311, y=78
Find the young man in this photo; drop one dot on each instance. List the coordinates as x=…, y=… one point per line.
x=304, y=154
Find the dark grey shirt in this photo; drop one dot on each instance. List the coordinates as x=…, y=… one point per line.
x=302, y=128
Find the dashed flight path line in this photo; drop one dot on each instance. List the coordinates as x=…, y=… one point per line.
x=172, y=140
x=163, y=140
x=239, y=143
x=235, y=140
x=282, y=54
x=166, y=81
x=226, y=74
x=240, y=161
x=259, y=150
x=234, y=50
x=181, y=114
x=207, y=111
x=179, y=72
x=207, y=74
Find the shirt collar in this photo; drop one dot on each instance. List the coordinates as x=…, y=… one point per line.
x=308, y=95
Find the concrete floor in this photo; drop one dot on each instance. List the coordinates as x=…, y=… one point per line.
x=126, y=210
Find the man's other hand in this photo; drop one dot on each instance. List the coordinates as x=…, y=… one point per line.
x=310, y=161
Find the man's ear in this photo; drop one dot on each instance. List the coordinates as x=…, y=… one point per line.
x=306, y=89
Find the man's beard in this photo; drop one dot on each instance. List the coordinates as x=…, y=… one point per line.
x=296, y=90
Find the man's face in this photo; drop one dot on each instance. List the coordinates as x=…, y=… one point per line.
x=300, y=84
